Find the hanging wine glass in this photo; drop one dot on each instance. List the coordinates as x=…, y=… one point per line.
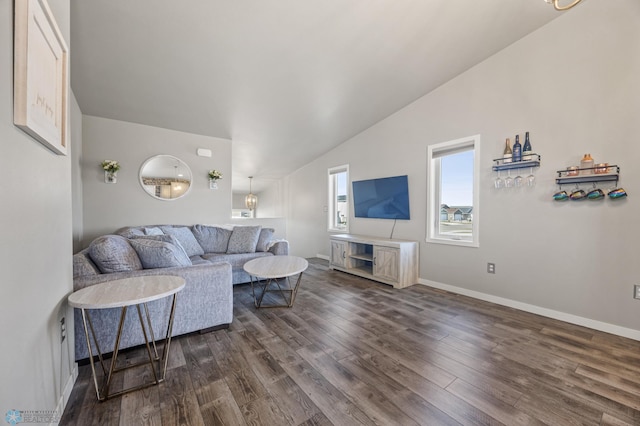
x=531, y=179
x=499, y=182
x=508, y=182
x=518, y=181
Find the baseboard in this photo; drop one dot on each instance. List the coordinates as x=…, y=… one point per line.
x=322, y=256
x=549, y=313
x=66, y=394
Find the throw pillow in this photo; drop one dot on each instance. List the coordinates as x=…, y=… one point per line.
x=266, y=234
x=155, y=253
x=244, y=239
x=83, y=266
x=186, y=238
x=129, y=231
x=113, y=253
x=213, y=239
x=153, y=231
x=165, y=238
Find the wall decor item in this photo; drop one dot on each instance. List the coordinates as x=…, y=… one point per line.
x=40, y=75
x=110, y=168
x=214, y=175
x=165, y=177
x=507, y=164
x=600, y=172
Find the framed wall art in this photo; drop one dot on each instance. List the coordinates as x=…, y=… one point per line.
x=40, y=75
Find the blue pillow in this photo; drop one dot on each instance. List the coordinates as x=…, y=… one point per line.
x=266, y=234
x=153, y=231
x=113, y=253
x=213, y=239
x=244, y=239
x=186, y=238
x=156, y=253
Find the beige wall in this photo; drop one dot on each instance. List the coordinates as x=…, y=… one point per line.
x=108, y=207
x=574, y=85
x=35, y=250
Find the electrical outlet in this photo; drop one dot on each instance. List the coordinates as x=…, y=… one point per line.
x=636, y=291
x=491, y=268
x=63, y=330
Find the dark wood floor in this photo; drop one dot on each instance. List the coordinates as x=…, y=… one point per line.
x=352, y=351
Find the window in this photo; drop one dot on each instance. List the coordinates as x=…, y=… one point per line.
x=452, y=192
x=339, y=199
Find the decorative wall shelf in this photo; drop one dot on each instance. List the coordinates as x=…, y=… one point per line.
x=500, y=165
x=565, y=179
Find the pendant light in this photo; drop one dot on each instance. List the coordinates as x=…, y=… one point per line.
x=557, y=6
x=251, y=201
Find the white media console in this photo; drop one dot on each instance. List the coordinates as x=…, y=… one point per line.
x=388, y=261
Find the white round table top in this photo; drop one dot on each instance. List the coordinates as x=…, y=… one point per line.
x=126, y=292
x=276, y=266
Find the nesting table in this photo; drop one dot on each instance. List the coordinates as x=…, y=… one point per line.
x=134, y=291
x=276, y=270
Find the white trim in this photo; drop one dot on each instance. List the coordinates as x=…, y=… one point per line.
x=323, y=257
x=545, y=312
x=331, y=207
x=66, y=393
x=433, y=196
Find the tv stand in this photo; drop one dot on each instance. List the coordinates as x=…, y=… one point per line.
x=390, y=261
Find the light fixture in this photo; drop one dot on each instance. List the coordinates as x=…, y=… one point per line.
x=558, y=7
x=177, y=184
x=251, y=201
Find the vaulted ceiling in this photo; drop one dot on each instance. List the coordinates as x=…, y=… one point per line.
x=285, y=80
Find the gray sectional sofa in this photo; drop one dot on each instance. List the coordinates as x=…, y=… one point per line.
x=209, y=258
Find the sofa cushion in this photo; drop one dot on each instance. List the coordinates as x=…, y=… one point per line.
x=244, y=239
x=83, y=266
x=186, y=238
x=213, y=239
x=113, y=253
x=264, y=240
x=155, y=253
x=237, y=261
x=198, y=260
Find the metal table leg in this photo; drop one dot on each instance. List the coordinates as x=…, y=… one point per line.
x=292, y=290
x=103, y=394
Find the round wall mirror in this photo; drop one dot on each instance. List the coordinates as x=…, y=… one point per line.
x=165, y=177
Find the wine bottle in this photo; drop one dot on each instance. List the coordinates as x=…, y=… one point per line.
x=526, y=149
x=508, y=153
x=517, y=150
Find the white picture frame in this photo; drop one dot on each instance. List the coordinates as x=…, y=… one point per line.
x=40, y=75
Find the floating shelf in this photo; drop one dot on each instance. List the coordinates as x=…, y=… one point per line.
x=612, y=176
x=500, y=165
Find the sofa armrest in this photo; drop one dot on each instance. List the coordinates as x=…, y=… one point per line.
x=280, y=248
x=205, y=302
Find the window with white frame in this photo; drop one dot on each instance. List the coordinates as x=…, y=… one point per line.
x=453, y=192
x=338, y=206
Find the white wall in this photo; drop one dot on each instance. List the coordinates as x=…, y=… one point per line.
x=108, y=207
x=76, y=178
x=574, y=85
x=35, y=250
x=270, y=201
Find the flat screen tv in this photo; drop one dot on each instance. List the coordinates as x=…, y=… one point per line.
x=383, y=198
